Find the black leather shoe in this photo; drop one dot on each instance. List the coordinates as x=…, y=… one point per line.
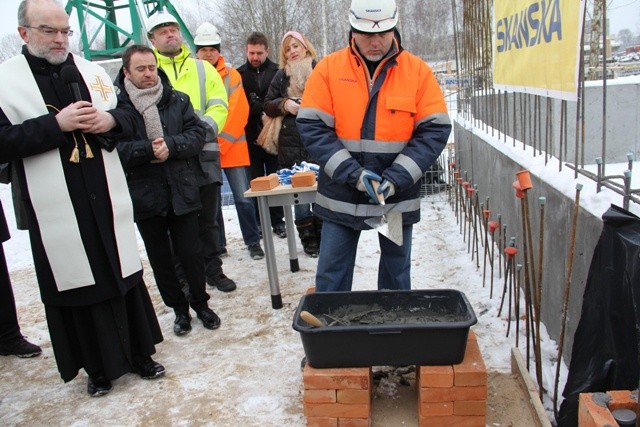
x=182, y=324
x=209, y=319
x=98, y=385
x=20, y=347
x=222, y=282
x=148, y=368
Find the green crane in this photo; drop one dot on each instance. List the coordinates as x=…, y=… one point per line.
x=117, y=39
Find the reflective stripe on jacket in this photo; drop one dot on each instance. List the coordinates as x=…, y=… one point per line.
x=233, y=142
x=394, y=123
x=202, y=83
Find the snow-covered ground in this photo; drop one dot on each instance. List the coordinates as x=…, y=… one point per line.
x=249, y=369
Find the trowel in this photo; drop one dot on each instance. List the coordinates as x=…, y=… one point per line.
x=390, y=223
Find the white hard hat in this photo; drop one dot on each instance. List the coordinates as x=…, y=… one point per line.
x=207, y=35
x=373, y=16
x=160, y=19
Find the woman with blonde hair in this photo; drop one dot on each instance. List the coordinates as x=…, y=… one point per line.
x=297, y=57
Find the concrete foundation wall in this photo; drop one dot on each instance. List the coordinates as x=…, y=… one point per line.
x=622, y=121
x=493, y=173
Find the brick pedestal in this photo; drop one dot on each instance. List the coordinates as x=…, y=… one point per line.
x=454, y=395
x=594, y=409
x=337, y=397
x=451, y=395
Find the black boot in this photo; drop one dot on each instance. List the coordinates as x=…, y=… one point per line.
x=307, y=234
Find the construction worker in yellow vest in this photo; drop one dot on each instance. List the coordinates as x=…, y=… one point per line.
x=200, y=81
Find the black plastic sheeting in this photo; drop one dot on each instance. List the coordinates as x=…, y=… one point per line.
x=605, y=347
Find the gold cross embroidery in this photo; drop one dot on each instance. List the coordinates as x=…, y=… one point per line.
x=102, y=88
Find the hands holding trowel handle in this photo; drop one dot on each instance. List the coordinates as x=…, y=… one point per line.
x=377, y=188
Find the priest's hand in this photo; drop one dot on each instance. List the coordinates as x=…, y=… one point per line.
x=160, y=149
x=77, y=116
x=103, y=122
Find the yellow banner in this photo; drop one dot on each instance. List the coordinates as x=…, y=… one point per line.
x=537, y=46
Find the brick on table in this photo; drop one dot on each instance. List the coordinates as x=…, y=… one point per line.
x=472, y=370
x=452, y=421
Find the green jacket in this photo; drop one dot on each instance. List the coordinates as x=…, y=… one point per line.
x=205, y=88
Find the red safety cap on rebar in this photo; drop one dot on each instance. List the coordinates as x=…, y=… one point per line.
x=452, y=165
x=486, y=213
x=493, y=225
x=511, y=251
x=466, y=184
x=524, y=178
x=519, y=192
x=470, y=190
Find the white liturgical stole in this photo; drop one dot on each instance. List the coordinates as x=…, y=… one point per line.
x=20, y=100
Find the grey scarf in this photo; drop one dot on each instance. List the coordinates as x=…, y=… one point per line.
x=146, y=101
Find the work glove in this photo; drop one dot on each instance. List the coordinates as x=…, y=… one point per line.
x=365, y=184
x=387, y=189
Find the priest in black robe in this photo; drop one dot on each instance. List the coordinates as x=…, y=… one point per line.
x=79, y=213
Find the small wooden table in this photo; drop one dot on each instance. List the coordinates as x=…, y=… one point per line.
x=286, y=196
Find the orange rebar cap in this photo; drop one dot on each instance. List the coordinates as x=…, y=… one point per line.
x=519, y=192
x=511, y=251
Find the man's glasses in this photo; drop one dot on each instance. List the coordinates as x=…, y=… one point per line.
x=50, y=31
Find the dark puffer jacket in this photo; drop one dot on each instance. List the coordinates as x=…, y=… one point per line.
x=290, y=147
x=173, y=184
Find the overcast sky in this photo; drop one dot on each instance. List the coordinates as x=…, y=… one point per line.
x=621, y=13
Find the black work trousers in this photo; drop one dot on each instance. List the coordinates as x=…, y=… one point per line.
x=160, y=234
x=210, y=230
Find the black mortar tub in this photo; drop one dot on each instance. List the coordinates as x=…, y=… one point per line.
x=385, y=328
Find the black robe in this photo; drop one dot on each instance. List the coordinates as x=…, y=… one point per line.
x=101, y=327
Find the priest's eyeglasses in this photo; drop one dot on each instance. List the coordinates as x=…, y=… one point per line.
x=50, y=31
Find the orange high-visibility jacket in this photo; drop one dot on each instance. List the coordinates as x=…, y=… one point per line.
x=394, y=123
x=233, y=142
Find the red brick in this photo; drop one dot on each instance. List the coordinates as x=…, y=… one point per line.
x=435, y=376
x=591, y=414
x=337, y=410
x=472, y=371
x=435, y=394
x=470, y=407
x=322, y=422
x=354, y=422
x=337, y=378
x=622, y=399
x=436, y=408
x=452, y=421
x=353, y=396
x=319, y=396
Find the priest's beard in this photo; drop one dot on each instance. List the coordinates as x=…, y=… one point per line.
x=44, y=51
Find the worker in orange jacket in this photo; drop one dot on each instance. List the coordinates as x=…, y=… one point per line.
x=234, y=153
x=374, y=118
